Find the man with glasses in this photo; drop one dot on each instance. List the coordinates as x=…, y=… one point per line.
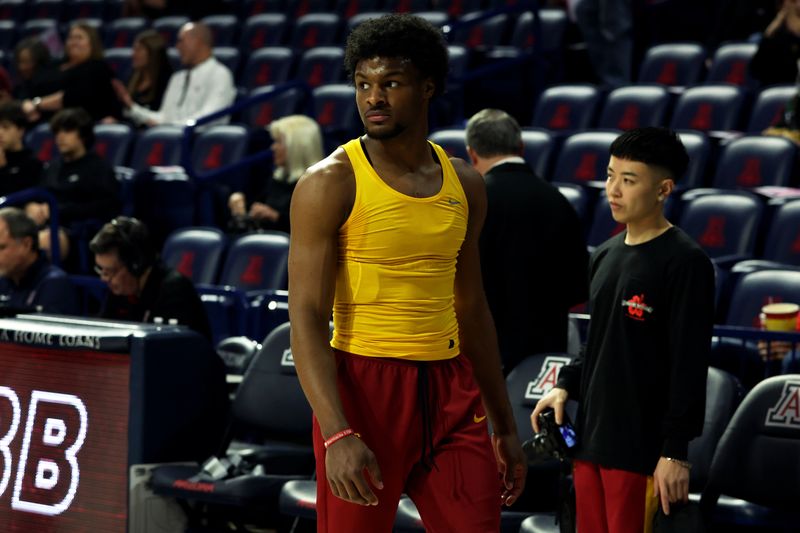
x=141, y=289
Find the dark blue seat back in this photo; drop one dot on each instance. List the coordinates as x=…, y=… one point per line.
x=756, y=289
x=453, y=141
x=113, y=142
x=195, y=252
x=157, y=146
x=257, y=261
x=754, y=161
x=264, y=29
x=769, y=107
x=709, y=107
x=267, y=66
x=631, y=107
x=566, y=108
x=783, y=238
x=731, y=64
x=673, y=64
x=315, y=29
x=321, y=65
x=584, y=157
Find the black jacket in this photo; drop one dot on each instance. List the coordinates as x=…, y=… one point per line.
x=22, y=171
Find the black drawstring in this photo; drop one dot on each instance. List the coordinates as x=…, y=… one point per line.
x=423, y=396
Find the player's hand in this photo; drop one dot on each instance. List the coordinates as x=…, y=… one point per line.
x=556, y=399
x=352, y=471
x=670, y=483
x=512, y=465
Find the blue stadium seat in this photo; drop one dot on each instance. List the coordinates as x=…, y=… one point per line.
x=538, y=148
x=407, y=6
x=755, y=474
x=753, y=290
x=120, y=33
x=36, y=27
x=315, y=29
x=120, y=59
x=169, y=27
x=8, y=34
x=250, y=8
x=584, y=157
x=709, y=107
x=754, y=161
x=351, y=8
x=84, y=9
x=353, y=22
x=298, y=8
x=673, y=64
x=453, y=141
x=731, y=64
x=724, y=223
x=334, y=109
x=635, y=106
x=485, y=34
x=782, y=245
x=267, y=66
x=257, y=262
x=45, y=9
x=113, y=142
x=195, y=252
x=286, y=103
x=321, y=66
x=699, y=149
x=41, y=143
x=157, y=146
x=769, y=107
x=14, y=10
x=164, y=199
x=269, y=405
x=552, y=28
x=224, y=29
x=266, y=29
x=567, y=108
x=219, y=146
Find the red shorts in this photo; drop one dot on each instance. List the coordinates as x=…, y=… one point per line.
x=612, y=501
x=449, y=472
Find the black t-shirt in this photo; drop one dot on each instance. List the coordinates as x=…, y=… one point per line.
x=642, y=380
x=22, y=171
x=88, y=85
x=85, y=189
x=775, y=61
x=167, y=294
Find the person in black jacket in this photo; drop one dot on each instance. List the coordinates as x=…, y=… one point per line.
x=778, y=51
x=296, y=145
x=82, y=182
x=19, y=168
x=141, y=288
x=641, y=383
x=533, y=254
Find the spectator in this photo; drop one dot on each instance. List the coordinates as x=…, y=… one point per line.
x=27, y=280
x=776, y=59
x=527, y=218
x=151, y=70
x=296, y=145
x=141, y=288
x=37, y=74
x=85, y=80
x=204, y=86
x=607, y=27
x=82, y=182
x=19, y=168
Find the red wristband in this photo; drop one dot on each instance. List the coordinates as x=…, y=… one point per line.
x=338, y=436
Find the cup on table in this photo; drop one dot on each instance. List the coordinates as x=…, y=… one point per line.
x=780, y=316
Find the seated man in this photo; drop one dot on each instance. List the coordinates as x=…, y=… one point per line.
x=19, y=168
x=27, y=280
x=82, y=182
x=141, y=288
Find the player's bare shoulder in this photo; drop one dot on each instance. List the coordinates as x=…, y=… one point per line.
x=327, y=185
x=471, y=180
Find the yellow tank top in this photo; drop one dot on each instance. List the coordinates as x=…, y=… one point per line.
x=397, y=264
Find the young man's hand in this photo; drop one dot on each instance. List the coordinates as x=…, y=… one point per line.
x=345, y=463
x=556, y=399
x=671, y=483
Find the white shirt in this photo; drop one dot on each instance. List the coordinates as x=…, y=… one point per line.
x=210, y=88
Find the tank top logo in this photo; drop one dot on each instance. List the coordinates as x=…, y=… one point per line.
x=637, y=307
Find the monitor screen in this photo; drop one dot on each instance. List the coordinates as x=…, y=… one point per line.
x=63, y=439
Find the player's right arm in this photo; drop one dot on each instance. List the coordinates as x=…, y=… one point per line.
x=320, y=204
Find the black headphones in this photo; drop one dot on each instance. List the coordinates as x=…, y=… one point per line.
x=134, y=248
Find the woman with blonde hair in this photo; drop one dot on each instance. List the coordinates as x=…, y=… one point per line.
x=151, y=69
x=85, y=80
x=296, y=145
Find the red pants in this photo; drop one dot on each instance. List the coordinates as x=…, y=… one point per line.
x=612, y=501
x=456, y=487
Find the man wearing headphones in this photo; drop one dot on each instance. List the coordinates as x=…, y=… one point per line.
x=141, y=288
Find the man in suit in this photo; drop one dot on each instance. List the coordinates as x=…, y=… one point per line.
x=533, y=253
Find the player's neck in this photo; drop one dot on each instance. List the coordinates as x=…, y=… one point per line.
x=645, y=230
x=409, y=149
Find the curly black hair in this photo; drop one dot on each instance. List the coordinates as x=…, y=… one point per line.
x=400, y=35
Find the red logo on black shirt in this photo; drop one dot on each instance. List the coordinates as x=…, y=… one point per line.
x=637, y=307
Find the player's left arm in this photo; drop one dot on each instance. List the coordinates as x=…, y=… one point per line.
x=690, y=290
x=478, y=339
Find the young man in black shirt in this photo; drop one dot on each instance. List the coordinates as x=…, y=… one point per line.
x=19, y=168
x=641, y=383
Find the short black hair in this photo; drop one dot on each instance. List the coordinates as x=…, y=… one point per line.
x=74, y=119
x=659, y=147
x=20, y=225
x=403, y=36
x=11, y=111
